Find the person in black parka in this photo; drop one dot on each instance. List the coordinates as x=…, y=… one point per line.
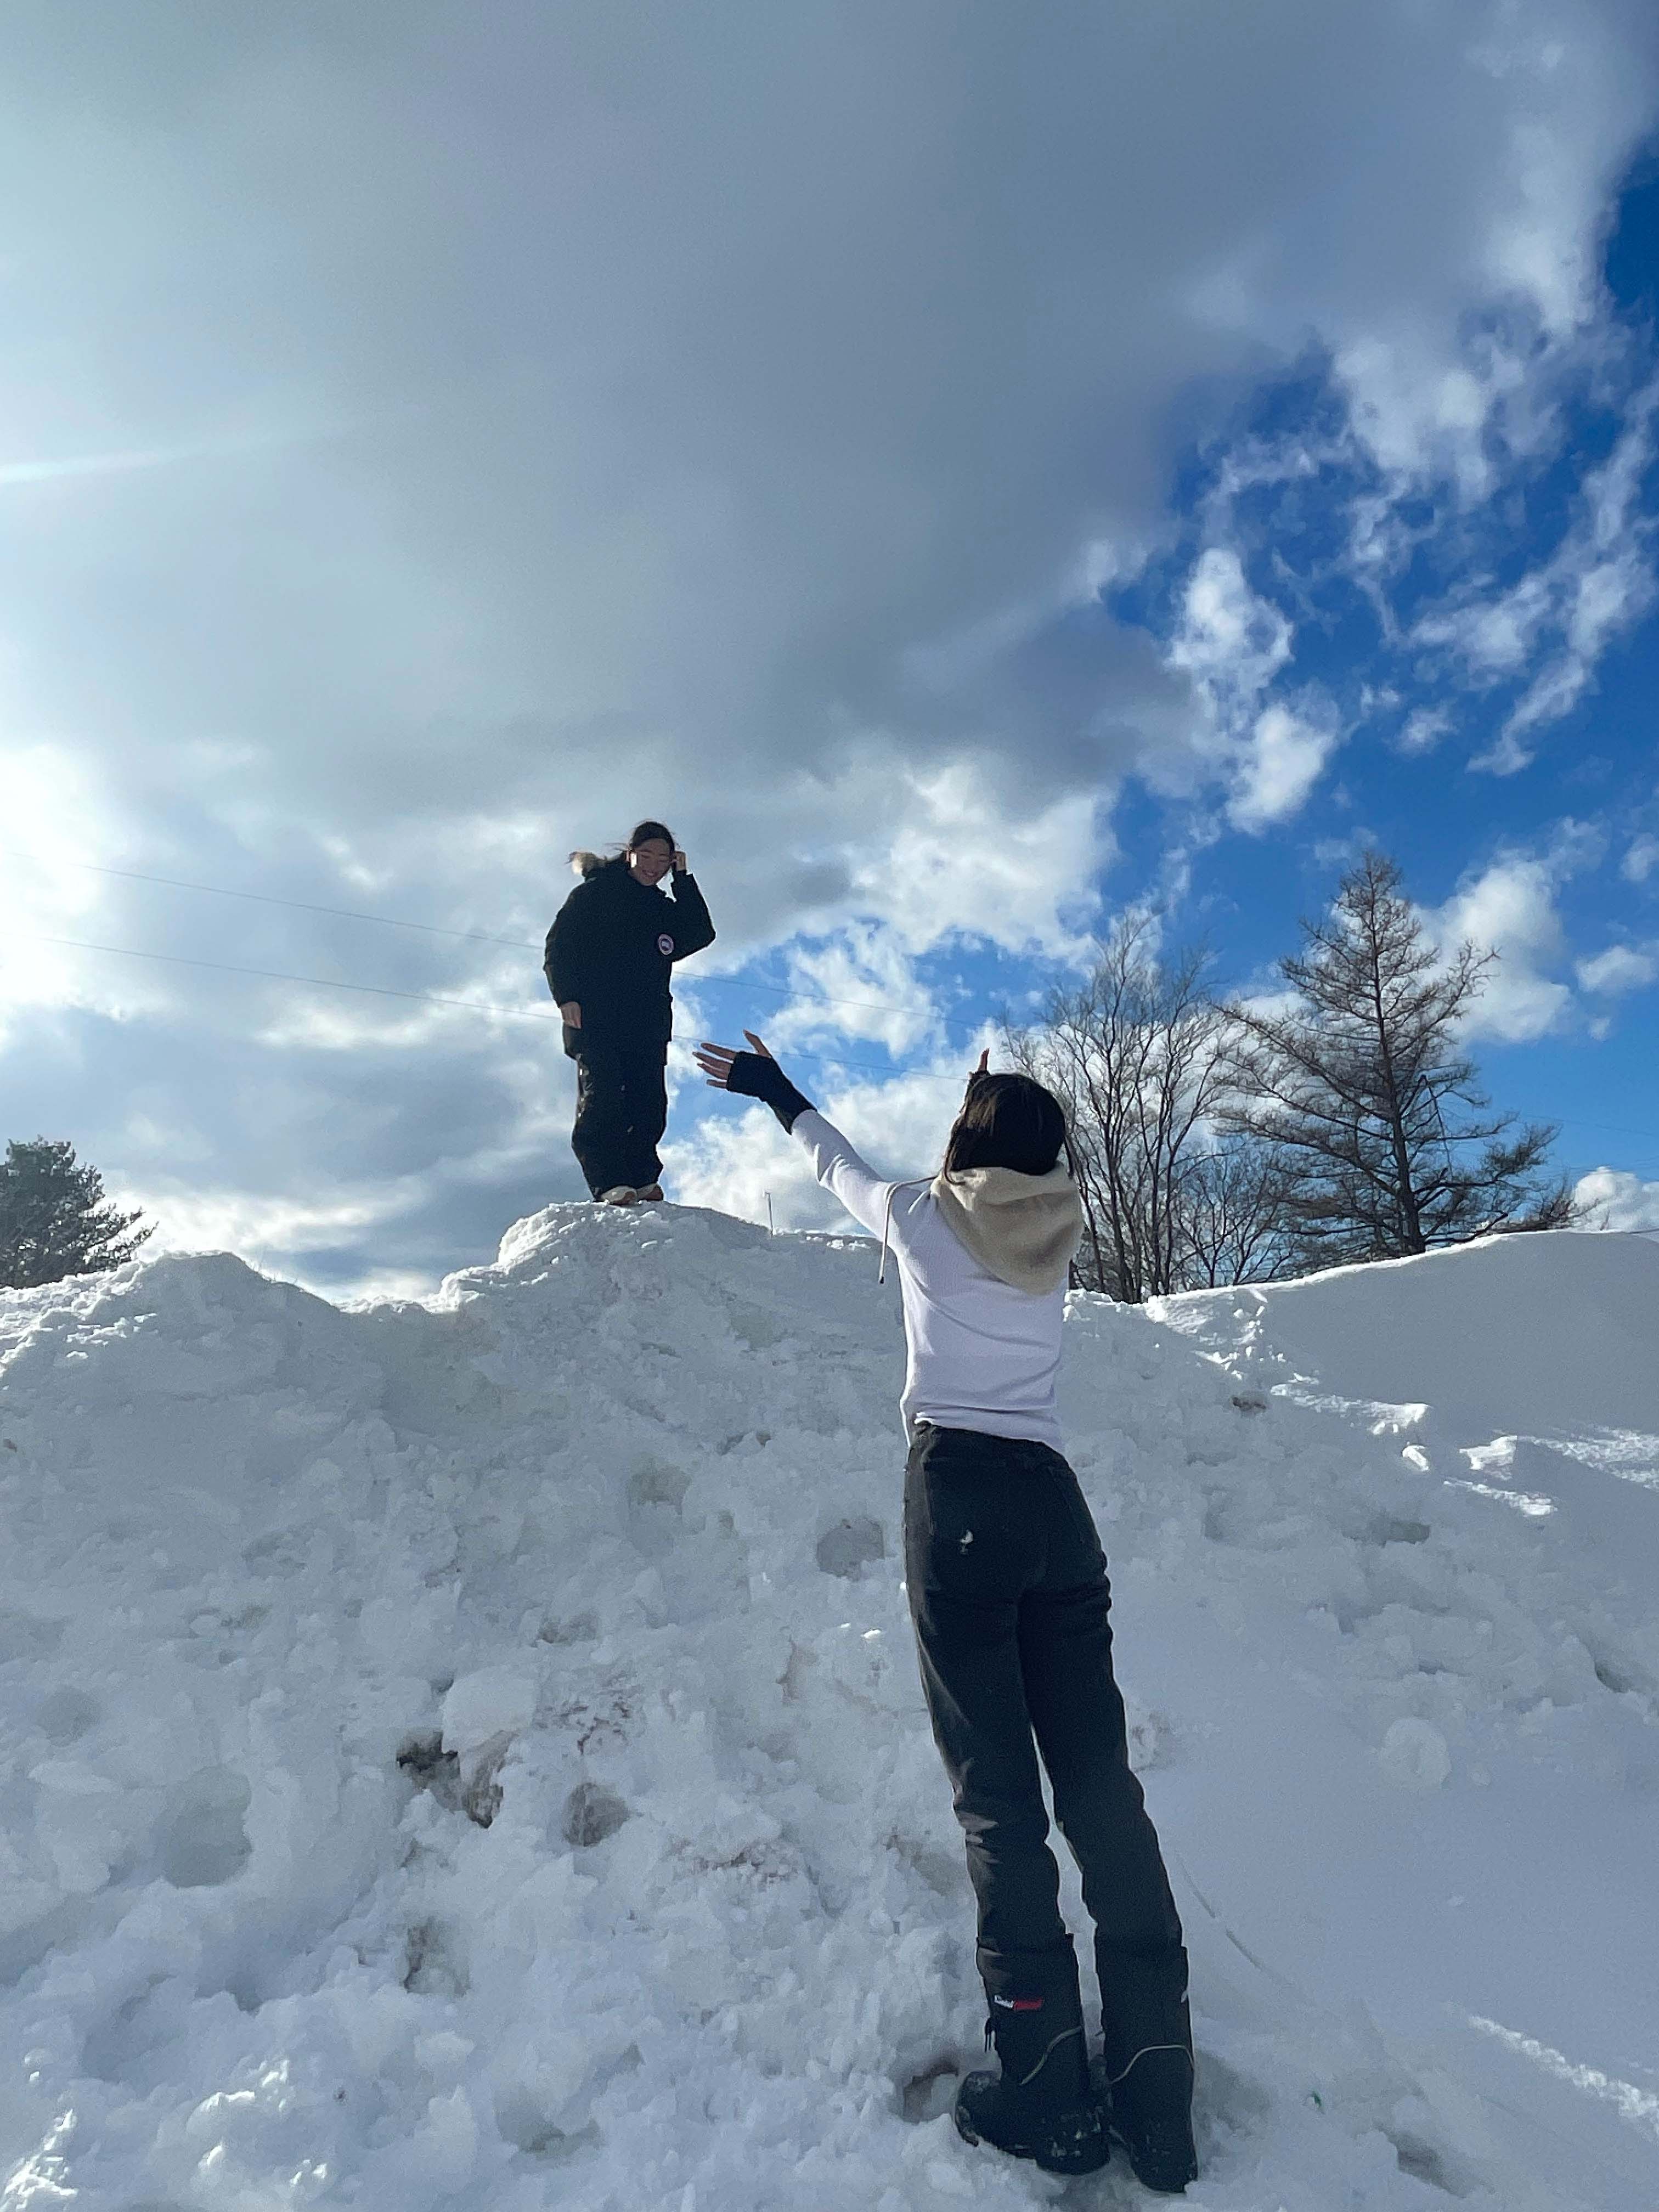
x=609, y=955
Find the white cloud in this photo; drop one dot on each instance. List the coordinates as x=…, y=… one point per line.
x=1418, y=416
x=1280, y=762
x=1233, y=642
x=193, y=1220
x=1509, y=908
x=1497, y=637
x=739, y=1164
x=1537, y=245
x=1641, y=859
x=711, y=452
x=872, y=982
x=1621, y=968
x=1612, y=1198
x=1558, y=620
x=1599, y=604
x=949, y=853
x=1424, y=727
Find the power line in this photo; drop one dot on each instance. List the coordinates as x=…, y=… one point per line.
x=301, y=906
x=1615, y=1128
x=423, y=998
x=695, y=982
x=478, y=936
x=278, y=975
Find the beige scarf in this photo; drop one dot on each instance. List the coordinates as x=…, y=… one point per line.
x=1024, y=1228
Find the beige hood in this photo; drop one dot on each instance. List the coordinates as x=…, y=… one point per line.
x=1024, y=1228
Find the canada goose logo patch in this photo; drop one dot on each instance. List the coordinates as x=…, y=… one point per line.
x=664, y=944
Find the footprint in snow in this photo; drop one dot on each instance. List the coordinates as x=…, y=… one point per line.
x=591, y=1813
x=851, y=1546
x=66, y=1714
x=203, y=1839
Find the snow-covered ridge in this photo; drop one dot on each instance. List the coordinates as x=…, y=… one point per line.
x=1555, y=1332
x=470, y=1754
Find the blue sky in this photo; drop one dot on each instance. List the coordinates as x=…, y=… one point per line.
x=1540, y=846
x=970, y=475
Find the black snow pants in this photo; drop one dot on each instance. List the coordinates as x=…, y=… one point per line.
x=1009, y=1596
x=621, y=1110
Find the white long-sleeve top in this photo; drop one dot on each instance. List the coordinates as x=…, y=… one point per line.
x=982, y=1355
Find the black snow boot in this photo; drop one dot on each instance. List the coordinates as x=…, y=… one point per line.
x=1143, y=2079
x=1040, y=2107
x=1148, y=2112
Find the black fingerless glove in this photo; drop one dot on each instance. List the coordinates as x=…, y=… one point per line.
x=753, y=1076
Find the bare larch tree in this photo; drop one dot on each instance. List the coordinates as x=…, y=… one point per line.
x=1136, y=1054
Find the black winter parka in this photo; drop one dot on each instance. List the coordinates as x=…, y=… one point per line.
x=612, y=947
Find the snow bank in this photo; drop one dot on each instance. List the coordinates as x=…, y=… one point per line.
x=472, y=1754
x=1524, y=1368
x=1552, y=1332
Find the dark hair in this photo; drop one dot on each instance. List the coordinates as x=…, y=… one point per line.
x=1006, y=1122
x=643, y=830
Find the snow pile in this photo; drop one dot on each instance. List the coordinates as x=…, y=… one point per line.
x=472, y=1754
x=1526, y=1368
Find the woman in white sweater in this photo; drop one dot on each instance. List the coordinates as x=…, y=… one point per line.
x=1009, y=1597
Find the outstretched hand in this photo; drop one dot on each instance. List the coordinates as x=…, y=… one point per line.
x=984, y=1068
x=715, y=1059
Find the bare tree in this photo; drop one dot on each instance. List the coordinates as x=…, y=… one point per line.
x=1362, y=1091
x=1237, y=1222
x=1136, y=1053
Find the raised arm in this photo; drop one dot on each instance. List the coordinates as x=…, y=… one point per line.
x=755, y=1075
x=690, y=927
x=841, y=1170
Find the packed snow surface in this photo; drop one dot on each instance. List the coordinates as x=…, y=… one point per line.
x=472, y=1754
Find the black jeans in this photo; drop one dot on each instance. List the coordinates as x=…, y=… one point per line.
x=1009, y=1595
x=621, y=1110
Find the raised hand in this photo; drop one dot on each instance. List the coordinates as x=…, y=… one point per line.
x=715, y=1059
x=716, y=1062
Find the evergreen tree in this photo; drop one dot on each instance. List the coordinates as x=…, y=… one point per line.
x=1388, y=1143
x=54, y=1218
